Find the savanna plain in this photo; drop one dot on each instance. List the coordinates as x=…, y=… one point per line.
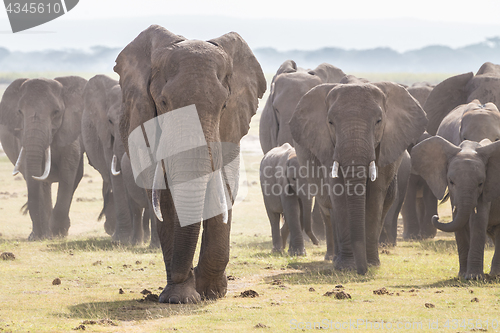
x=102, y=284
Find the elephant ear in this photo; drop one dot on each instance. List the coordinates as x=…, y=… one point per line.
x=405, y=122
x=246, y=85
x=446, y=96
x=485, y=88
x=133, y=64
x=96, y=104
x=309, y=123
x=429, y=159
x=328, y=73
x=9, y=117
x=72, y=95
x=491, y=155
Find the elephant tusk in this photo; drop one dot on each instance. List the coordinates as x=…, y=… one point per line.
x=18, y=162
x=335, y=169
x=372, y=169
x=156, y=194
x=475, y=210
x=222, y=198
x=47, y=166
x=113, y=167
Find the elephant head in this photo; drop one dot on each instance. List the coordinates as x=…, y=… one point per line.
x=103, y=102
x=289, y=84
x=469, y=171
x=480, y=121
x=462, y=89
x=161, y=72
x=361, y=126
x=42, y=113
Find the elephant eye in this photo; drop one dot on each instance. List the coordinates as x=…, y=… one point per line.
x=379, y=121
x=480, y=184
x=20, y=112
x=451, y=182
x=497, y=139
x=55, y=113
x=110, y=121
x=330, y=122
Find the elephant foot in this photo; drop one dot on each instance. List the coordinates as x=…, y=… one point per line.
x=344, y=264
x=329, y=256
x=210, y=287
x=36, y=237
x=296, y=251
x=121, y=238
x=428, y=234
x=275, y=250
x=474, y=276
x=184, y=292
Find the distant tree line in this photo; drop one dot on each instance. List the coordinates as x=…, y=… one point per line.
x=436, y=58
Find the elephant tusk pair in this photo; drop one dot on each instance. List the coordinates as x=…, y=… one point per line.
x=113, y=166
x=18, y=162
x=47, y=166
x=372, y=170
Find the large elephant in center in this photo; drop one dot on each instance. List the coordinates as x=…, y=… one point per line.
x=193, y=101
x=359, y=133
x=40, y=132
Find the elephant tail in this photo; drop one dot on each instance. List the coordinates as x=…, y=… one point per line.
x=106, y=202
x=24, y=209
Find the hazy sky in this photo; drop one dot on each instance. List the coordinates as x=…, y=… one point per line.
x=438, y=10
x=305, y=24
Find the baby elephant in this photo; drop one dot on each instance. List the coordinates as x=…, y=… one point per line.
x=472, y=174
x=285, y=191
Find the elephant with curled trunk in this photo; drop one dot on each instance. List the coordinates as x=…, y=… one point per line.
x=445, y=97
x=284, y=188
x=187, y=104
x=471, y=172
x=358, y=132
x=41, y=121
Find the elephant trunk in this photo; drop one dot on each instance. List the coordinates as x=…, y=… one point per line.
x=197, y=189
x=460, y=219
x=355, y=189
x=37, y=156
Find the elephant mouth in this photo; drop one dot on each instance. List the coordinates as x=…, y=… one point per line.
x=47, y=168
x=372, y=170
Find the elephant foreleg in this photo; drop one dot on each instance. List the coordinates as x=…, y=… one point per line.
x=462, y=238
x=411, y=223
x=39, y=207
x=291, y=211
x=178, y=245
x=59, y=221
x=427, y=229
x=211, y=281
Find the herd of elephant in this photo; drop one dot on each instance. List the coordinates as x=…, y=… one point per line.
x=366, y=151
x=352, y=137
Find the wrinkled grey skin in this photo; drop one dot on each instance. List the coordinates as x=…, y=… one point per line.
x=389, y=232
x=161, y=72
x=139, y=205
x=289, y=84
x=102, y=140
x=471, y=173
x=285, y=192
x=418, y=209
x=355, y=124
x=37, y=114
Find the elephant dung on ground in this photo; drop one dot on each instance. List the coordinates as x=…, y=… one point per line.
x=471, y=172
x=284, y=189
x=194, y=99
x=41, y=120
x=359, y=131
